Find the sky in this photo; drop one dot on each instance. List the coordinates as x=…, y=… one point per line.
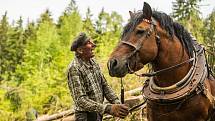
x=31, y=9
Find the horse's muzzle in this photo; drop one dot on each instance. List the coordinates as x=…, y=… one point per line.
x=117, y=67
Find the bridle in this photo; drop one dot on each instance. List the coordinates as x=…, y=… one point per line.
x=139, y=45
x=140, y=41
x=137, y=48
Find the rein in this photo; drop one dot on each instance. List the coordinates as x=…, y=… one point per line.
x=122, y=93
x=139, y=45
x=150, y=75
x=162, y=70
x=137, y=48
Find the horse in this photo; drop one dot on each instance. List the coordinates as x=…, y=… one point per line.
x=180, y=86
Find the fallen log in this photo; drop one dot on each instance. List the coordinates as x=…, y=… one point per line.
x=134, y=92
x=56, y=116
x=133, y=100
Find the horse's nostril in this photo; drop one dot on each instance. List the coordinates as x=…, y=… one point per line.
x=112, y=63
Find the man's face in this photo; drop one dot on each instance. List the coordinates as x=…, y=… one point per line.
x=88, y=49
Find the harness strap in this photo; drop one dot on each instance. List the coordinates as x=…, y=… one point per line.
x=137, y=106
x=195, y=84
x=165, y=69
x=130, y=44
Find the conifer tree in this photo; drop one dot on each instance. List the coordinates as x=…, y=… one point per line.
x=88, y=23
x=187, y=13
x=209, y=38
x=70, y=24
x=36, y=73
x=4, y=26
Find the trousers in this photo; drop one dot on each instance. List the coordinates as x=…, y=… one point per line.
x=87, y=116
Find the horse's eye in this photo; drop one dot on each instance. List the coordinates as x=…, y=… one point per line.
x=140, y=31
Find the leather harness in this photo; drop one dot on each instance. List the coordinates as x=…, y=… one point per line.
x=193, y=83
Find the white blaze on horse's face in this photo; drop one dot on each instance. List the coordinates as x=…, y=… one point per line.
x=137, y=46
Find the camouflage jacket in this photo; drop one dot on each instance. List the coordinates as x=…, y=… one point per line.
x=88, y=86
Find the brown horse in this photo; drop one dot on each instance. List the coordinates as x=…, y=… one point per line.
x=181, y=87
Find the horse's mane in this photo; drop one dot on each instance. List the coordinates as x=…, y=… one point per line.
x=166, y=22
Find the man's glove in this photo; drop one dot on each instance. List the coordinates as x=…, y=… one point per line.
x=117, y=110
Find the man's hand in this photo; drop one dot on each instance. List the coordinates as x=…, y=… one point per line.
x=118, y=110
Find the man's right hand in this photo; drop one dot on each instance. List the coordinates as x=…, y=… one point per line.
x=119, y=110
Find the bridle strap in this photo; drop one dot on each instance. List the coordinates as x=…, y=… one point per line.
x=130, y=44
x=148, y=33
x=140, y=41
x=165, y=69
x=139, y=45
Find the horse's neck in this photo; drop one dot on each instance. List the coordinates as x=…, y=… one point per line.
x=170, y=53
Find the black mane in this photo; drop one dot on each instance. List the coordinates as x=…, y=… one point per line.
x=166, y=22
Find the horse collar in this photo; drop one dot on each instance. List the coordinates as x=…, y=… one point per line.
x=192, y=82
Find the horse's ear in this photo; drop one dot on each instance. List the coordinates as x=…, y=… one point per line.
x=131, y=14
x=147, y=11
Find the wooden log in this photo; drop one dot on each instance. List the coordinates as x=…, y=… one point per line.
x=69, y=118
x=56, y=116
x=133, y=100
x=134, y=92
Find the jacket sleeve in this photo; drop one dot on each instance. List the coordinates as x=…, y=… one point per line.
x=109, y=93
x=79, y=95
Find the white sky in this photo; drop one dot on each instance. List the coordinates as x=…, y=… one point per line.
x=31, y=9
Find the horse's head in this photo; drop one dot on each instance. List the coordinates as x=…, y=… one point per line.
x=138, y=45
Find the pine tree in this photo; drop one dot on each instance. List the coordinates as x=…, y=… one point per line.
x=116, y=23
x=102, y=22
x=30, y=32
x=4, y=26
x=69, y=24
x=209, y=38
x=40, y=69
x=12, y=47
x=46, y=16
x=184, y=9
x=41, y=54
x=88, y=24
x=187, y=13
x=18, y=43
x=108, y=28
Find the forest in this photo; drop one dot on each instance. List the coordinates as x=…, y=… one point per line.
x=34, y=58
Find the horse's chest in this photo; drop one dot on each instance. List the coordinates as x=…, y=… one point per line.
x=195, y=109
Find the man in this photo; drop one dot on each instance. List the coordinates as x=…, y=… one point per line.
x=88, y=86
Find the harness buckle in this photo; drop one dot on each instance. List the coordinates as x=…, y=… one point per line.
x=162, y=93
